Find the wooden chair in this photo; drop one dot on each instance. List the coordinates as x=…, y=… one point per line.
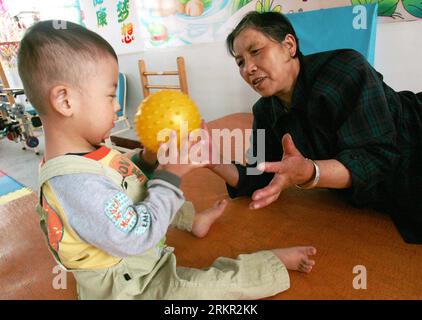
x=180, y=73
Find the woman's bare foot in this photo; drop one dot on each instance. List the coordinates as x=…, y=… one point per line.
x=296, y=258
x=203, y=220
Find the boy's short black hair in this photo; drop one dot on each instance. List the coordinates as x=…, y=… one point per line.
x=274, y=25
x=53, y=53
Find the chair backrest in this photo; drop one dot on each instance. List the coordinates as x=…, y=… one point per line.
x=121, y=94
x=180, y=73
x=339, y=29
x=121, y=91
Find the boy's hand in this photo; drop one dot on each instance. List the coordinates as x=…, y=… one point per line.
x=190, y=156
x=148, y=156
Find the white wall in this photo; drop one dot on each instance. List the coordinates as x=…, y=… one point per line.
x=398, y=54
x=213, y=80
x=217, y=88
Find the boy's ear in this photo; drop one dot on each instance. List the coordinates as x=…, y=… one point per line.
x=60, y=100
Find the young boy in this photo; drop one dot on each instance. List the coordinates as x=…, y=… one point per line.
x=100, y=220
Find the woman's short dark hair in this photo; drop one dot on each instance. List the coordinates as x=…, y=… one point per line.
x=272, y=24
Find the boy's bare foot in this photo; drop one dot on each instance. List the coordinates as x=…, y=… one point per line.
x=203, y=220
x=296, y=258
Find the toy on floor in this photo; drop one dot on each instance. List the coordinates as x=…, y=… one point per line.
x=165, y=109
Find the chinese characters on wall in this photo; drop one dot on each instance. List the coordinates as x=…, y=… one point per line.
x=112, y=19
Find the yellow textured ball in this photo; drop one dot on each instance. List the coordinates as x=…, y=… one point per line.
x=165, y=109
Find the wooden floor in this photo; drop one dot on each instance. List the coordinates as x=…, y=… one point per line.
x=345, y=237
x=26, y=266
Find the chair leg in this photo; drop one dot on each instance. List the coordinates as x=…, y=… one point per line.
x=128, y=123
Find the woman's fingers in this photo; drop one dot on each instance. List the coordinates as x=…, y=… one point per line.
x=267, y=191
x=276, y=185
x=265, y=196
x=276, y=167
x=263, y=202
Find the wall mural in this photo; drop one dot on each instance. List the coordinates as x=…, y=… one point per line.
x=135, y=25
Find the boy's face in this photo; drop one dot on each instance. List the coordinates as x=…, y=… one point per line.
x=97, y=102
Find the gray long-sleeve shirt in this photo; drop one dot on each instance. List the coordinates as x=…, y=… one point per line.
x=104, y=216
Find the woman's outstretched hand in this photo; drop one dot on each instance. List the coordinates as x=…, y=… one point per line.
x=291, y=170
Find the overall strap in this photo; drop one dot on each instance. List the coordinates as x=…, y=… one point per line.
x=63, y=165
x=71, y=164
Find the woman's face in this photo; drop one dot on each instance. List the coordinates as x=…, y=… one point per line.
x=266, y=65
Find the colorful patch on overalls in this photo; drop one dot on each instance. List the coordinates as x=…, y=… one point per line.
x=126, y=167
x=145, y=219
x=54, y=226
x=120, y=212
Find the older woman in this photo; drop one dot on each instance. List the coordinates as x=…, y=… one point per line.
x=330, y=122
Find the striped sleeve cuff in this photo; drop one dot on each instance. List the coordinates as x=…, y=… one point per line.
x=168, y=177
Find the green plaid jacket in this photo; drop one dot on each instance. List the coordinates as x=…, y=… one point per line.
x=341, y=109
